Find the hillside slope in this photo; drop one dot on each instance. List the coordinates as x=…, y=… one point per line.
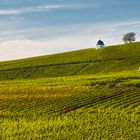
x=97, y=106
x=89, y=61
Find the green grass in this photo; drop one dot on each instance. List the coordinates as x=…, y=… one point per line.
x=112, y=52
x=35, y=109
x=68, y=96
x=89, y=61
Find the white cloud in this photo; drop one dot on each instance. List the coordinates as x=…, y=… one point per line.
x=8, y=12
x=43, y=8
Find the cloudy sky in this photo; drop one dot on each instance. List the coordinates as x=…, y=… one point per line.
x=39, y=27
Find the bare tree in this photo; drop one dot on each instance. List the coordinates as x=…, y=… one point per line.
x=129, y=37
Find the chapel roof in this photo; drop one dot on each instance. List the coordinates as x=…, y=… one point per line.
x=100, y=42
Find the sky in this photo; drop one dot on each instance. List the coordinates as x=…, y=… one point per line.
x=31, y=28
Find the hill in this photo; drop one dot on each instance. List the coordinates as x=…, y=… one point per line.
x=75, y=105
x=89, y=61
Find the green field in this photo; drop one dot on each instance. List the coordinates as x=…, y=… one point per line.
x=89, y=61
x=81, y=95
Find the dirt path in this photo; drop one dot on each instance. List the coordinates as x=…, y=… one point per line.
x=63, y=64
x=72, y=108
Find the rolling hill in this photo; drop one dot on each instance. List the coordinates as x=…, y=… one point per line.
x=89, y=61
x=86, y=94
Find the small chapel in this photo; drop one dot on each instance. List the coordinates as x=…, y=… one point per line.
x=100, y=44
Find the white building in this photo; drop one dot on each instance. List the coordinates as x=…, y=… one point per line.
x=100, y=44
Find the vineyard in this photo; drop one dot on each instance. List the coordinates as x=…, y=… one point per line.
x=92, y=100
x=83, y=62
x=79, y=107
x=129, y=51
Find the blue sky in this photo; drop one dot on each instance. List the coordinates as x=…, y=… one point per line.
x=39, y=27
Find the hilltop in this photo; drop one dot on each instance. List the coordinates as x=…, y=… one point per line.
x=88, y=61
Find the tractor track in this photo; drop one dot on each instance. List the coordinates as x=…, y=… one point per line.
x=63, y=64
x=103, y=98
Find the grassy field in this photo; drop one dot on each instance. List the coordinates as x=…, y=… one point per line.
x=89, y=61
x=79, y=107
x=76, y=99
x=113, y=52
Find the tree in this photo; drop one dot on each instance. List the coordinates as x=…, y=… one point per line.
x=129, y=37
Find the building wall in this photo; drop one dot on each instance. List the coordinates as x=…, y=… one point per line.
x=100, y=46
